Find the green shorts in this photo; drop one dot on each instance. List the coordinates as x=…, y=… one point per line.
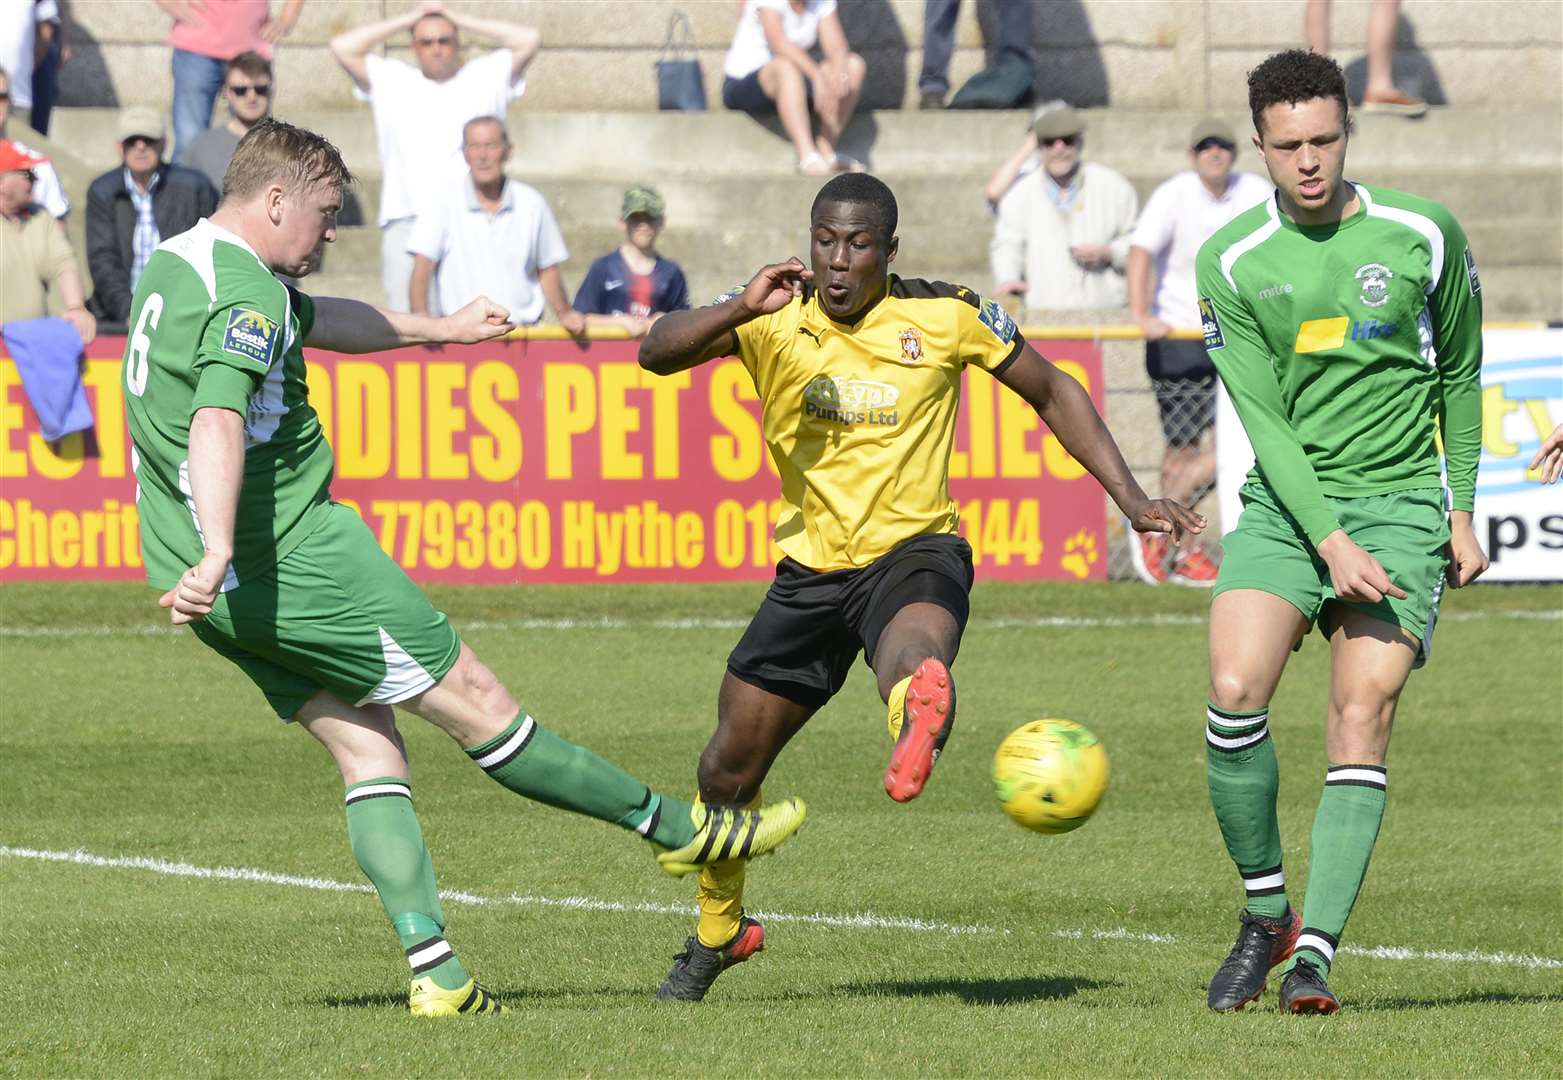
x=336, y=614
x=1406, y=531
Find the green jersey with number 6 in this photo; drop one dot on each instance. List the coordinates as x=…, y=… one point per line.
x=211, y=327
x=1348, y=349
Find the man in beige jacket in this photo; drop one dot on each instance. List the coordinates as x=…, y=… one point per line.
x=1061, y=238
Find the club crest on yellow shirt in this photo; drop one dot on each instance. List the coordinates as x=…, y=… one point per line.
x=911, y=345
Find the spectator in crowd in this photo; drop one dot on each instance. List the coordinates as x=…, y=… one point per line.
x=132, y=207
x=247, y=83
x=28, y=29
x=497, y=238
x=1180, y=215
x=47, y=190
x=1012, y=19
x=50, y=54
x=34, y=255
x=770, y=69
x=207, y=34
x=1062, y=233
x=1381, y=94
x=634, y=286
x=419, y=112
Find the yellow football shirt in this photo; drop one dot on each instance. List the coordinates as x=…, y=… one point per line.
x=860, y=418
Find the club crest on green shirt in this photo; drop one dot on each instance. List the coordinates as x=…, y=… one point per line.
x=250, y=334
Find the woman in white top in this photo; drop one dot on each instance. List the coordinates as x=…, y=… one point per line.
x=770, y=69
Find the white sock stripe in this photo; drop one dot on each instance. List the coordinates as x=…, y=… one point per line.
x=1373, y=777
x=1221, y=742
x=434, y=953
x=1267, y=881
x=508, y=747
x=1213, y=717
x=370, y=790
x=1318, y=945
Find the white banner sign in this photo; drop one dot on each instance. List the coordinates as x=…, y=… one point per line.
x=1519, y=521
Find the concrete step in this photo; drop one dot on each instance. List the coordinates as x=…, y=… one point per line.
x=1138, y=141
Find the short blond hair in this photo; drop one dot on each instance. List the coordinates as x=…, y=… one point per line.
x=274, y=150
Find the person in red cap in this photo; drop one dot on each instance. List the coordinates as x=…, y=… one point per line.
x=34, y=253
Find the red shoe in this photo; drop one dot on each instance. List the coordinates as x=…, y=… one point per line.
x=1195, y=568
x=929, y=716
x=1149, y=551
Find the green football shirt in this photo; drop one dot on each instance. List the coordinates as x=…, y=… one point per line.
x=211, y=326
x=1347, y=348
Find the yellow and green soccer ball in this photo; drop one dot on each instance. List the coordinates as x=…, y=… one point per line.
x=1049, y=775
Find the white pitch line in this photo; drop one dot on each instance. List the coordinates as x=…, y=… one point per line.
x=863, y=921
x=1040, y=622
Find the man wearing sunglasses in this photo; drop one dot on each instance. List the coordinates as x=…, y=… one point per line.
x=247, y=82
x=1062, y=233
x=133, y=206
x=420, y=112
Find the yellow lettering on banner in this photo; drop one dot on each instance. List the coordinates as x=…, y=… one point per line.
x=1017, y=420
x=535, y=529
x=619, y=418
x=977, y=461
x=102, y=377
x=7, y=525
x=609, y=529
x=728, y=541
x=689, y=542
x=1000, y=532
x=363, y=442
x=318, y=384
x=470, y=544
x=61, y=464
x=502, y=535
x=1057, y=460
x=496, y=456
x=64, y=539
x=13, y=462
x=1494, y=408
x=665, y=390
x=439, y=535
x=445, y=420
x=579, y=522
x=409, y=421
x=735, y=456
x=569, y=409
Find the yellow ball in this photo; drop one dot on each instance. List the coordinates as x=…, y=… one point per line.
x=1049, y=775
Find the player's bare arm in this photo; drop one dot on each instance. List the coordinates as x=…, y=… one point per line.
x=352, y=326
x=684, y=339
x=1068, y=411
x=352, y=47
x=1549, y=459
x=216, y=474
x=1467, y=560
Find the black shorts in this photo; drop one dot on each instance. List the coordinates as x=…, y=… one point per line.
x=745, y=95
x=1185, y=383
x=812, y=624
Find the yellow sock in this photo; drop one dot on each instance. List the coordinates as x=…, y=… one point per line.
x=720, y=893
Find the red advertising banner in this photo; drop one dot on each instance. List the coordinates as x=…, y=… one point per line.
x=549, y=461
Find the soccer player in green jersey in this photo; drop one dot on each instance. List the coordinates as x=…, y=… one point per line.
x=233, y=481
x=1345, y=322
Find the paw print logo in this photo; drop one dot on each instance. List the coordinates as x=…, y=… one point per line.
x=1079, y=554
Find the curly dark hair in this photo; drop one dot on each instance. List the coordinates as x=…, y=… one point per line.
x=862, y=189
x=1292, y=76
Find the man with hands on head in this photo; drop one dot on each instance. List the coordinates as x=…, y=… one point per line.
x=858, y=372
x=239, y=528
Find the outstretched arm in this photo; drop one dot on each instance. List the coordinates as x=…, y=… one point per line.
x=1549, y=459
x=352, y=326
x=684, y=339
x=352, y=47
x=1069, y=412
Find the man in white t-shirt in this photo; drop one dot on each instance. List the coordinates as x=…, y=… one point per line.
x=491, y=236
x=419, y=112
x=1181, y=215
x=19, y=24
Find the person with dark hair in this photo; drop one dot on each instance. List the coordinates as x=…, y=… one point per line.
x=858, y=372
x=1346, y=324
x=233, y=476
x=247, y=88
x=634, y=286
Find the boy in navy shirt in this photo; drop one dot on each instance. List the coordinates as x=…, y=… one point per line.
x=634, y=285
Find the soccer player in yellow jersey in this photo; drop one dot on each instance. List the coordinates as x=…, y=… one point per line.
x=858, y=373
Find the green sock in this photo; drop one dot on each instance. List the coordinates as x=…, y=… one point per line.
x=1344, y=831
x=532, y=761
x=388, y=845
x=1241, y=769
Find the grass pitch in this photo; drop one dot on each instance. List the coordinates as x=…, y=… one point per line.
x=931, y=939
